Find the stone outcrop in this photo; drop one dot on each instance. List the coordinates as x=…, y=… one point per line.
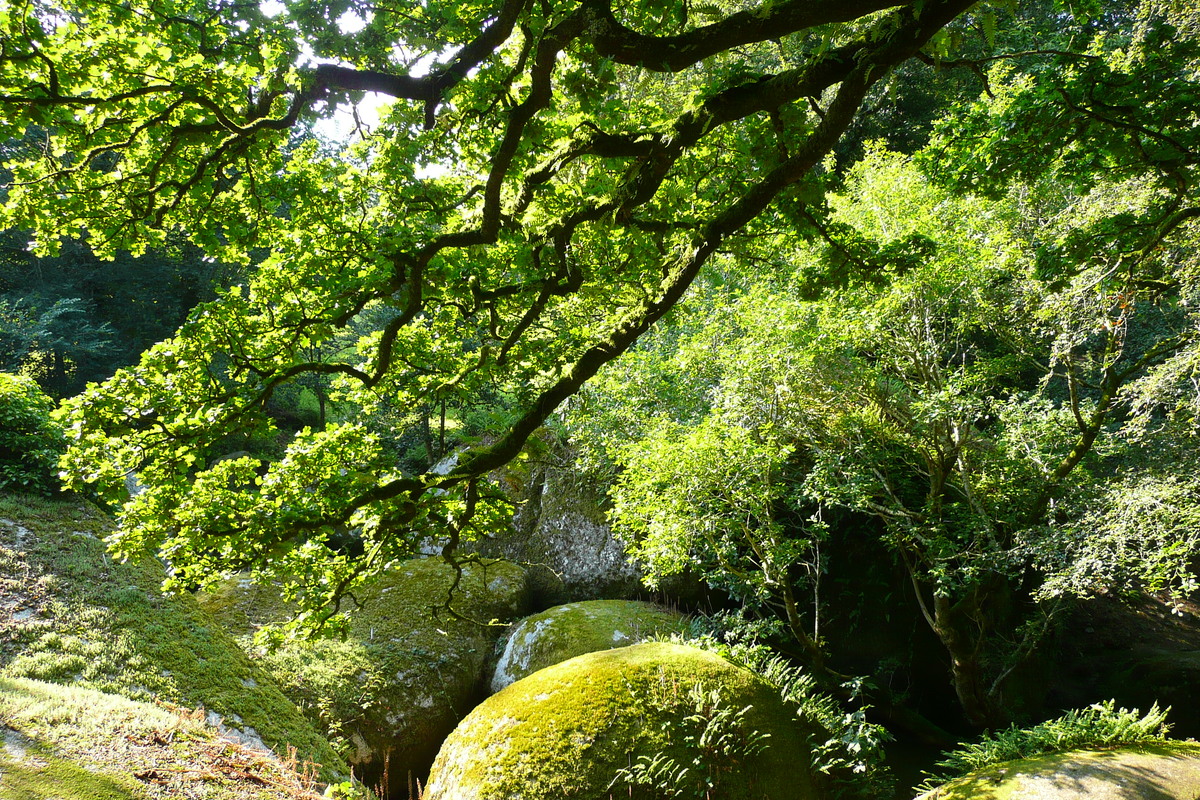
x=72, y=616
x=561, y=534
x=409, y=669
x=70, y=743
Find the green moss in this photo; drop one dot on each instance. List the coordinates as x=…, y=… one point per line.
x=1162, y=771
x=408, y=670
x=49, y=776
x=71, y=743
x=77, y=617
x=577, y=628
x=576, y=729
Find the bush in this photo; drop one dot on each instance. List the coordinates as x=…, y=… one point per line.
x=30, y=441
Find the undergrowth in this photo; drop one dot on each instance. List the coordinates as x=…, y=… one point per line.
x=847, y=753
x=716, y=734
x=1098, y=726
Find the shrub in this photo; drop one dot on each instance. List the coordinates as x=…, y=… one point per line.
x=30, y=441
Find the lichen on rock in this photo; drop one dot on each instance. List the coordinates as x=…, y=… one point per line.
x=629, y=722
x=573, y=629
x=561, y=533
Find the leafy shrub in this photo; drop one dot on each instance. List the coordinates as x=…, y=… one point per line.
x=30, y=441
x=1098, y=726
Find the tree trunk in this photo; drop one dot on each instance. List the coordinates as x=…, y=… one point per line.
x=968, y=629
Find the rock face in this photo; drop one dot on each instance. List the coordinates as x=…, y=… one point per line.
x=71, y=616
x=573, y=629
x=391, y=691
x=1158, y=772
x=70, y=743
x=562, y=534
x=1138, y=650
x=645, y=721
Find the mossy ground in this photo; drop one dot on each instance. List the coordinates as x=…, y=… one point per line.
x=568, y=732
x=73, y=616
x=70, y=743
x=408, y=670
x=573, y=629
x=1169, y=771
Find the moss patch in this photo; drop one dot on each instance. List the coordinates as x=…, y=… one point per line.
x=576, y=628
x=80, y=744
x=1150, y=772
x=408, y=671
x=588, y=727
x=70, y=615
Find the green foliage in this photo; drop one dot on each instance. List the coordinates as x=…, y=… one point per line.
x=1098, y=726
x=34, y=336
x=30, y=440
x=535, y=198
x=715, y=734
x=847, y=750
x=73, y=318
x=995, y=420
x=1138, y=529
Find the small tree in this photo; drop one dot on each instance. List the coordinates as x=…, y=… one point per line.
x=30, y=441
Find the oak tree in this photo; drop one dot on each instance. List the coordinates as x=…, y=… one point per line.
x=548, y=182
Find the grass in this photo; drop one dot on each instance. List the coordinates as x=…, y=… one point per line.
x=81, y=744
x=71, y=615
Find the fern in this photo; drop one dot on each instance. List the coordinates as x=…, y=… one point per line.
x=1100, y=725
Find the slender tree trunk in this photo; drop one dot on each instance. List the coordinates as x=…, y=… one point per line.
x=59, y=373
x=964, y=646
x=427, y=434
x=442, y=430
x=971, y=628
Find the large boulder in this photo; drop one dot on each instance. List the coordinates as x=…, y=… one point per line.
x=390, y=691
x=1150, y=772
x=561, y=532
x=573, y=629
x=70, y=615
x=70, y=743
x=650, y=720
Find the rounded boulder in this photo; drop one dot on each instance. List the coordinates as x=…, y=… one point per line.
x=1161, y=771
x=573, y=629
x=389, y=692
x=650, y=720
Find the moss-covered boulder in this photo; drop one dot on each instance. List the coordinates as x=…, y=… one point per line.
x=1150, y=772
x=409, y=670
x=70, y=615
x=70, y=743
x=573, y=629
x=647, y=721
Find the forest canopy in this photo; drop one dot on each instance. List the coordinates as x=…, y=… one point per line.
x=932, y=263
